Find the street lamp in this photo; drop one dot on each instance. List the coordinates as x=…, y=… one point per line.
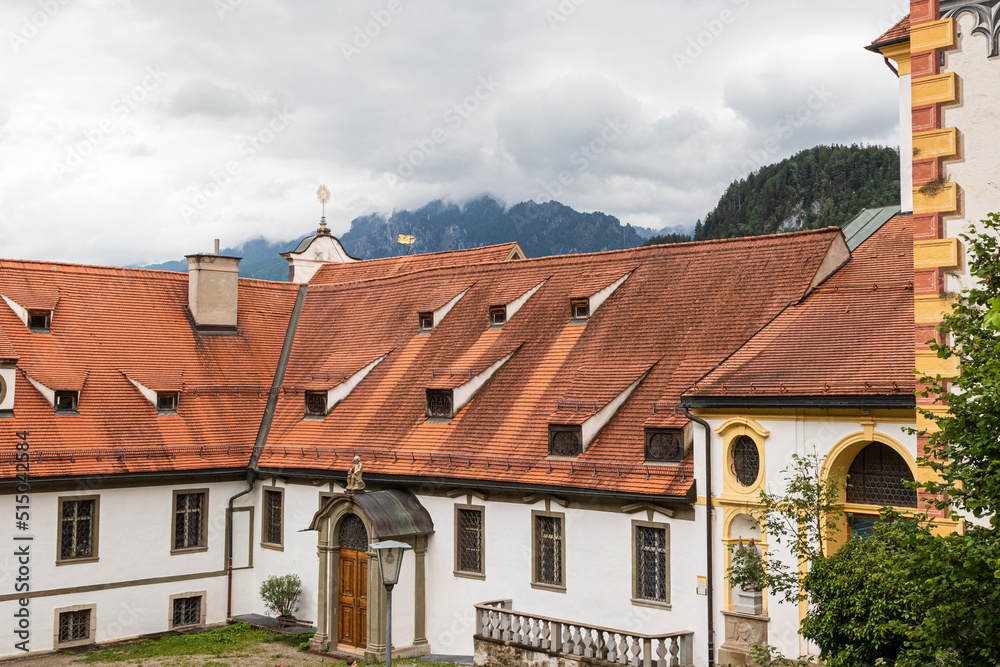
x=390, y=562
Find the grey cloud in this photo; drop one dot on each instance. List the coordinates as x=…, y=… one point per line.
x=206, y=98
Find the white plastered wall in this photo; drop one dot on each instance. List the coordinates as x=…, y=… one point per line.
x=978, y=120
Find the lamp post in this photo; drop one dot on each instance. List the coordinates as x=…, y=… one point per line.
x=390, y=561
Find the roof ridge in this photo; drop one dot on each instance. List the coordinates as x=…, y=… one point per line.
x=38, y=264
x=661, y=247
x=425, y=254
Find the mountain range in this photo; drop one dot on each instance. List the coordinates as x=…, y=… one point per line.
x=818, y=187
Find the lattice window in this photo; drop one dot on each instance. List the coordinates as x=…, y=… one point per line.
x=877, y=477
x=272, y=517
x=189, y=521
x=187, y=611
x=548, y=550
x=470, y=541
x=565, y=440
x=77, y=529
x=651, y=563
x=439, y=403
x=745, y=460
x=664, y=444
x=74, y=626
x=353, y=534
x=316, y=403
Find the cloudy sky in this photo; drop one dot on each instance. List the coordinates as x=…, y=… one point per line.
x=136, y=131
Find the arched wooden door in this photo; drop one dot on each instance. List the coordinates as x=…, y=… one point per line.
x=352, y=598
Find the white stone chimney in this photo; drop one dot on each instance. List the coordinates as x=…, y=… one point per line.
x=212, y=291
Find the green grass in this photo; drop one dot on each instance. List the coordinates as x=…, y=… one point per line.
x=227, y=641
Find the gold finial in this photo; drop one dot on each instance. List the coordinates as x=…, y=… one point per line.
x=323, y=195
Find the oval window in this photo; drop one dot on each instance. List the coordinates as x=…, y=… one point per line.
x=745, y=460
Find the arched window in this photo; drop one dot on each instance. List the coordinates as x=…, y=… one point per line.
x=353, y=534
x=876, y=477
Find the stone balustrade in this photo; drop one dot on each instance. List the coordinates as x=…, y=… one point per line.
x=572, y=642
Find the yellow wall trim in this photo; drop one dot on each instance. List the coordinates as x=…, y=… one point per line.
x=935, y=143
x=900, y=54
x=929, y=425
x=937, y=89
x=928, y=362
x=936, y=254
x=742, y=423
x=940, y=199
x=929, y=309
x=933, y=35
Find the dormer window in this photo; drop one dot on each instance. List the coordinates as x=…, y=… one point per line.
x=316, y=403
x=39, y=320
x=498, y=315
x=166, y=402
x=426, y=321
x=440, y=403
x=565, y=440
x=579, y=308
x=66, y=401
x=664, y=444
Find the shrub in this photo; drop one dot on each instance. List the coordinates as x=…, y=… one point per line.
x=281, y=594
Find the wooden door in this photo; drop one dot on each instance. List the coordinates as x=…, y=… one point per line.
x=353, y=598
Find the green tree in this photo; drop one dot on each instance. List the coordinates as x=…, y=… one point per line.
x=956, y=577
x=799, y=520
x=965, y=451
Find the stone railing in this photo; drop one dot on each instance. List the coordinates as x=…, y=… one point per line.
x=496, y=622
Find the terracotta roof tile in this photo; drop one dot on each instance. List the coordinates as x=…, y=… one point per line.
x=346, y=272
x=897, y=33
x=111, y=322
x=852, y=336
x=683, y=309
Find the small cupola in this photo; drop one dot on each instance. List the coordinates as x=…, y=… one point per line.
x=213, y=284
x=317, y=250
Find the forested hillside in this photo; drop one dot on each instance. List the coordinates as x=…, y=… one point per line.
x=819, y=187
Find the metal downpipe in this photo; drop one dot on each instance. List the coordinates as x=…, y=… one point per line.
x=709, y=542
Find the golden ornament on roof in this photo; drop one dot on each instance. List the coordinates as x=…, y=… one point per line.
x=323, y=194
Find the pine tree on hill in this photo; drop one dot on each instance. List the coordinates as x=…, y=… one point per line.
x=819, y=187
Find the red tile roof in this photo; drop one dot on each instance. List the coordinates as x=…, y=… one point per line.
x=852, y=336
x=110, y=324
x=7, y=350
x=683, y=309
x=346, y=272
x=897, y=33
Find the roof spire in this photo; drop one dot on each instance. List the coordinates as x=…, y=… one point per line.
x=323, y=195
